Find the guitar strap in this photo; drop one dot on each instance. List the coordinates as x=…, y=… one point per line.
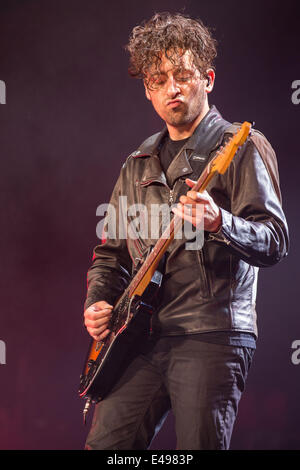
x=199, y=157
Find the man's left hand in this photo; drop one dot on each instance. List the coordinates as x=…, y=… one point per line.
x=211, y=214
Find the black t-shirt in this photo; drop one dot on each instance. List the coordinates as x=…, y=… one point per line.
x=167, y=152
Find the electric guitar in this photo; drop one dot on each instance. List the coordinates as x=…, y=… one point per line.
x=131, y=316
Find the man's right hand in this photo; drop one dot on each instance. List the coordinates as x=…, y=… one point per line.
x=96, y=319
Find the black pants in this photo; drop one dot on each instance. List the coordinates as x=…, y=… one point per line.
x=201, y=382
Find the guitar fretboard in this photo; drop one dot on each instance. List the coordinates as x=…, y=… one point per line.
x=166, y=238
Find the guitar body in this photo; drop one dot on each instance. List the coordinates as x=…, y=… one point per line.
x=130, y=327
x=106, y=369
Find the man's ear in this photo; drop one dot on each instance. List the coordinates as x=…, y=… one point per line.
x=210, y=74
x=147, y=91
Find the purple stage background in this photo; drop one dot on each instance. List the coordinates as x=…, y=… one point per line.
x=71, y=117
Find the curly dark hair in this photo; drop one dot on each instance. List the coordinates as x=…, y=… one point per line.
x=171, y=34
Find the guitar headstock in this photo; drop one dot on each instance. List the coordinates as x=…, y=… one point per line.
x=223, y=158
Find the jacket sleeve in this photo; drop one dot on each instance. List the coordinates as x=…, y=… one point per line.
x=255, y=228
x=110, y=272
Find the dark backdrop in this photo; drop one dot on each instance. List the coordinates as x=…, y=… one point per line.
x=71, y=117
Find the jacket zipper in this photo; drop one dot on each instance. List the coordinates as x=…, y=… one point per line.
x=223, y=239
x=171, y=193
x=203, y=272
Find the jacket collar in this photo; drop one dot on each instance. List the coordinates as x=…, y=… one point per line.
x=206, y=137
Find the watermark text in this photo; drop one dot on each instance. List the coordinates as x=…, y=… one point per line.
x=295, y=358
x=296, y=94
x=2, y=352
x=2, y=92
x=151, y=222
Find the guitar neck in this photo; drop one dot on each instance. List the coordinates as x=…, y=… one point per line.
x=145, y=273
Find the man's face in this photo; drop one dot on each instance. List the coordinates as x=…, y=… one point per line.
x=178, y=92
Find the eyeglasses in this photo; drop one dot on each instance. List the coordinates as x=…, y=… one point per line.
x=159, y=81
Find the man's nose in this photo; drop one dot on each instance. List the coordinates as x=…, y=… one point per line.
x=172, y=87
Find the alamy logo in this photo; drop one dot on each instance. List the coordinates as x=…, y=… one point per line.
x=295, y=358
x=2, y=92
x=2, y=352
x=296, y=93
x=138, y=221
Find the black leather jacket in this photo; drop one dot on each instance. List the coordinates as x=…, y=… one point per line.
x=213, y=288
